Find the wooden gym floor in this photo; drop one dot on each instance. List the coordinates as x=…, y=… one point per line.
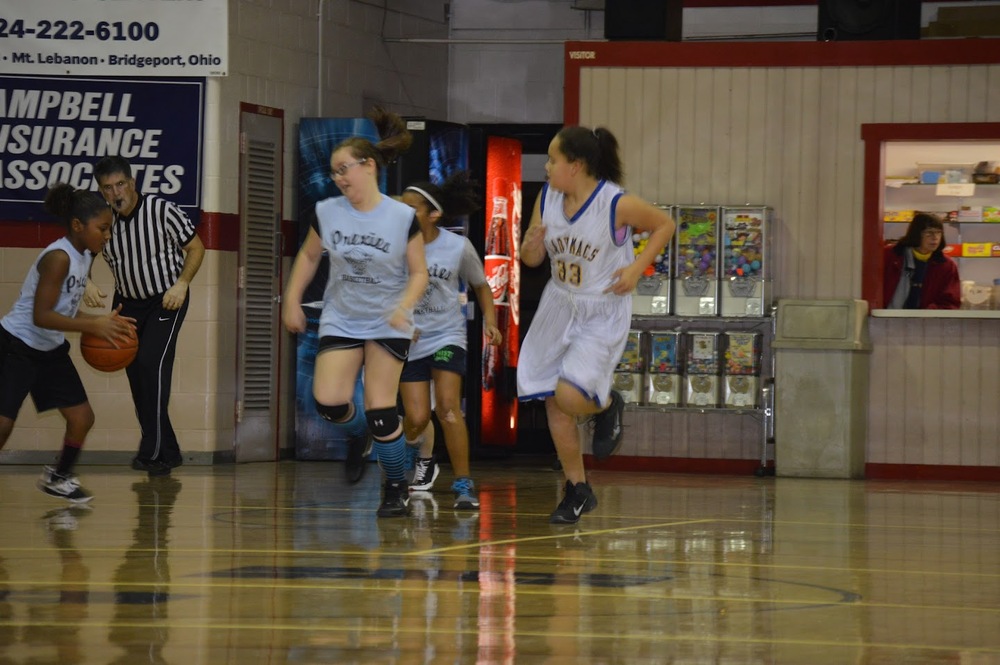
x=286, y=563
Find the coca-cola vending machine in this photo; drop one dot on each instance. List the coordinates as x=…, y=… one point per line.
x=498, y=393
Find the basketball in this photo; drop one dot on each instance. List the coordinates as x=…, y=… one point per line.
x=102, y=355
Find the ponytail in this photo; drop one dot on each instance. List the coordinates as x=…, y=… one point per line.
x=457, y=196
x=597, y=148
x=67, y=203
x=394, y=139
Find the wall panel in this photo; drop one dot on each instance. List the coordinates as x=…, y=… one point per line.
x=790, y=137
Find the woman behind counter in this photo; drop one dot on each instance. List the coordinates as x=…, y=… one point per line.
x=917, y=273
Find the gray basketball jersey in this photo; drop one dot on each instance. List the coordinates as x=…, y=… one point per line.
x=451, y=258
x=20, y=320
x=368, y=268
x=585, y=251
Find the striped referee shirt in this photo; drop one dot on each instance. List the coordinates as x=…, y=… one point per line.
x=145, y=251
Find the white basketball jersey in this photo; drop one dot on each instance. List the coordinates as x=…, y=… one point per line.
x=585, y=251
x=20, y=321
x=438, y=316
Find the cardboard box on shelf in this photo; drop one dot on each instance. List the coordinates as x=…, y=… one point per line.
x=977, y=249
x=898, y=215
x=933, y=173
x=954, y=250
x=970, y=214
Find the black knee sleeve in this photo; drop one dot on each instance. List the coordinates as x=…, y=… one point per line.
x=382, y=423
x=336, y=413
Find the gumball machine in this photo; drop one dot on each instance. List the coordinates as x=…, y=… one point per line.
x=651, y=296
x=665, y=369
x=702, y=368
x=696, y=272
x=628, y=375
x=741, y=374
x=746, y=266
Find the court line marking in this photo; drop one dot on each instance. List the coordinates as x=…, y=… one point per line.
x=451, y=552
x=397, y=629
x=556, y=536
x=421, y=586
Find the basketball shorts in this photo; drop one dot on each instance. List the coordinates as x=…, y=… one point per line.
x=48, y=376
x=399, y=348
x=448, y=359
x=576, y=339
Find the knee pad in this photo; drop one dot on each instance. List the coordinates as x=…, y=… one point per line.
x=336, y=413
x=383, y=422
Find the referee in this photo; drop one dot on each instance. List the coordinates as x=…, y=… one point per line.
x=154, y=253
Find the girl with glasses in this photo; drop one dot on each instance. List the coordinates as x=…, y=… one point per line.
x=917, y=273
x=377, y=275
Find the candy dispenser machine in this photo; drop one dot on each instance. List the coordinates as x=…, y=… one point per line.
x=651, y=296
x=665, y=368
x=696, y=274
x=741, y=374
x=702, y=377
x=629, y=373
x=746, y=266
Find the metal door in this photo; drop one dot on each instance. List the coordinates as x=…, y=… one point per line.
x=259, y=276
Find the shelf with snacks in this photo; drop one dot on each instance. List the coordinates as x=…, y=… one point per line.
x=971, y=236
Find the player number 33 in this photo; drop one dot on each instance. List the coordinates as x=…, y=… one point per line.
x=569, y=272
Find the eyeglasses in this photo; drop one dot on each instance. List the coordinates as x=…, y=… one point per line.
x=932, y=233
x=121, y=184
x=342, y=170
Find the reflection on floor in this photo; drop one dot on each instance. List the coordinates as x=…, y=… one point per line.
x=285, y=563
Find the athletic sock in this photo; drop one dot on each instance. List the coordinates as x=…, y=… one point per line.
x=70, y=451
x=391, y=456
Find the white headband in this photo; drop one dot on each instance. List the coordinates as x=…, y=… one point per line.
x=433, y=201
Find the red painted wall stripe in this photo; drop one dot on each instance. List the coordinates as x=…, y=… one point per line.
x=218, y=230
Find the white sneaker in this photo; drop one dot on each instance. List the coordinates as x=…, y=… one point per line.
x=63, y=487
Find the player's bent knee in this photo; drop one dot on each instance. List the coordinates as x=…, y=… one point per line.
x=383, y=423
x=416, y=422
x=449, y=415
x=336, y=413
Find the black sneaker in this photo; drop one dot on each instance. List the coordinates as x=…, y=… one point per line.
x=577, y=500
x=395, y=500
x=608, y=428
x=425, y=472
x=173, y=463
x=63, y=486
x=358, y=449
x=152, y=467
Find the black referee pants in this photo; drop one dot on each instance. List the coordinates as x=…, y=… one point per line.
x=150, y=373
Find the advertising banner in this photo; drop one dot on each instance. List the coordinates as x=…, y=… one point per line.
x=119, y=38
x=55, y=129
x=503, y=272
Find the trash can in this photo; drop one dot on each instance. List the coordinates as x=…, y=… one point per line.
x=822, y=356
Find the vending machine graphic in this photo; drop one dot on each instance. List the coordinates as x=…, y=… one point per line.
x=439, y=150
x=502, y=261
